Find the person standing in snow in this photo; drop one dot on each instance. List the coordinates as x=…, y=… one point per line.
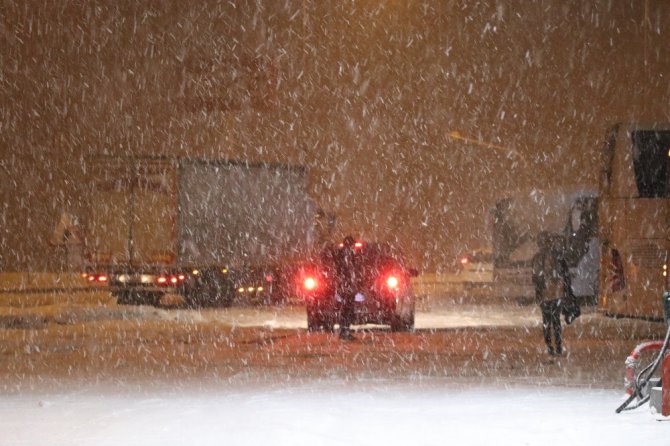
x=347, y=281
x=552, y=287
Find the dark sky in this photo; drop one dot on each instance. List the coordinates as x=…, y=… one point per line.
x=364, y=94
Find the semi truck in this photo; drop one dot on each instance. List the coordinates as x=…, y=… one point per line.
x=521, y=216
x=210, y=230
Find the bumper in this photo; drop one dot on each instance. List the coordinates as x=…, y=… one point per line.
x=369, y=308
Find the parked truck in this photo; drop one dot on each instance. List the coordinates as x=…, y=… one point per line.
x=519, y=218
x=212, y=231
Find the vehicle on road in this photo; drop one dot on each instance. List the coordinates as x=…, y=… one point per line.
x=634, y=224
x=209, y=230
x=476, y=267
x=384, y=296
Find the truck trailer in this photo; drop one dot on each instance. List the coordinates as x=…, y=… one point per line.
x=210, y=230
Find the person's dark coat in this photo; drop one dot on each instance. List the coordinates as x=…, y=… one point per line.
x=553, y=290
x=348, y=277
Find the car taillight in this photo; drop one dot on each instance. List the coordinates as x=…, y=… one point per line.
x=309, y=282
x=465, y=261
x=392, y=282
x=171, y=279
x=102, y=278
x=357, y=245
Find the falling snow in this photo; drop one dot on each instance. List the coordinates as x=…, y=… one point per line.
x=193, y=158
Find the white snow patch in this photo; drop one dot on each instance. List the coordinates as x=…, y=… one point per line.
x=329, y=413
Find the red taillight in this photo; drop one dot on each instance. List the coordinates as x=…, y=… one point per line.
x=96, y=277
x=357, y=245
x=171, y=279
x=392, y=282
x=310, y=283
x=464, y=260
x=269, y=278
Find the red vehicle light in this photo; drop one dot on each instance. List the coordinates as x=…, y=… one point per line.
x=181, y=277
x=97, y=278
x=269, y=278
x=310, y=283
x=392, y=282
x=174, y=279
x=357, y=245
x=464, y=260
x=162, y=279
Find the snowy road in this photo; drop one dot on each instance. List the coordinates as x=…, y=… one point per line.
x=35, y=310
x=430, y=412
x=434, y=316
x=78, y=369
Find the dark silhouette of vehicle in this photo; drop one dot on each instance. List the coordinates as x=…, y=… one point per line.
x=210, y=230
x=384, y=292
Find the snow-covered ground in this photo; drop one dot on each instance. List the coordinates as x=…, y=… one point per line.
x=77, y=369
x=429, y=412
x=38, y=309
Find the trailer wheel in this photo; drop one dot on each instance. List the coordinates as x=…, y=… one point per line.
x=212, y=289
x=123, y=298
x=215, y=296
x=152, y=298
x=190, y=297
x=130, y=297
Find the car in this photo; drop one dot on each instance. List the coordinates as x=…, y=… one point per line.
x=385, y=296
x=476, y=266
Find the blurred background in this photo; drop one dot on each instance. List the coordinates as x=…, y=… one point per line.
x=410, y=117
